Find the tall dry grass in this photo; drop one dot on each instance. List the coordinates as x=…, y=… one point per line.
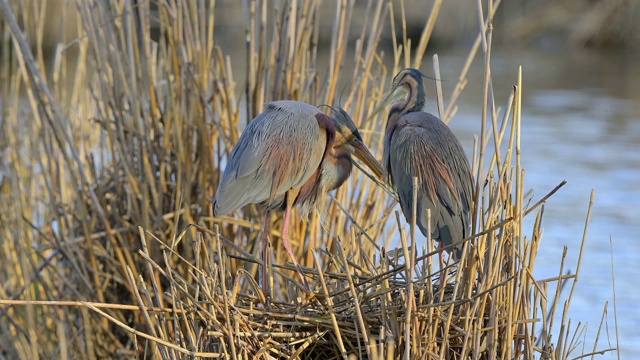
x=110, y=160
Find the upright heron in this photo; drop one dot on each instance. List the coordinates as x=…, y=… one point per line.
x=418, y=144
x=291, y=154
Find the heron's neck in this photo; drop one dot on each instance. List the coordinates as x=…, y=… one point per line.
x=336, y=168
x=414, y=101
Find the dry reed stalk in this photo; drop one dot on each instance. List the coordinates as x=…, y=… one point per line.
x=121, y=261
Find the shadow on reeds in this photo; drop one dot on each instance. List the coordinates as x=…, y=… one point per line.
x=107, y=184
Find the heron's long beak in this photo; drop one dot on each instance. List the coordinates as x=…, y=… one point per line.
x=396, y=93
x=368, y=159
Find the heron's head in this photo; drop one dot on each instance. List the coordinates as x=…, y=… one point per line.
x=346, y=130
x=407, y=92
x=348, y=137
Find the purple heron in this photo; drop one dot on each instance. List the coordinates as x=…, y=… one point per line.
x=419, y=144
x=290, y=155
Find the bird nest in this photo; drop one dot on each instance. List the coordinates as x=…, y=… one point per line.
x=222, y=311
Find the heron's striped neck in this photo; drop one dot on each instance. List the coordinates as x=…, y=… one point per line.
x=414, y=99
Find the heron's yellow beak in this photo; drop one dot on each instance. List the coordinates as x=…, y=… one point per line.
x=368, y=159
x=396, y=93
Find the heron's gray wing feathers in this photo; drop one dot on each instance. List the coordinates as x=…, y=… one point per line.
x=424, y=147
x=277, y=151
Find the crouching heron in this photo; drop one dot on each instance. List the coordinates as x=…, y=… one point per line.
x=290, y=155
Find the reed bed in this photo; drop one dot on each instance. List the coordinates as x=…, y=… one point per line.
x=110, y=160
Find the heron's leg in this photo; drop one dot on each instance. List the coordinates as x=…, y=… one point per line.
x=441, y=259
x=285, y=235
x=441, y=262
x=266, y=288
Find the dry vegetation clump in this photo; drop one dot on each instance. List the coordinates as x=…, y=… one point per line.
x=111, y=158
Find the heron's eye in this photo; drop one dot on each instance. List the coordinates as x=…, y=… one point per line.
x=357, y=137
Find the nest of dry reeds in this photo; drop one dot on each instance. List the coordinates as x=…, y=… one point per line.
x=111, y=158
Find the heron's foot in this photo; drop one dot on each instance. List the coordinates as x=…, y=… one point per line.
x=306, y=288
x=266, y=289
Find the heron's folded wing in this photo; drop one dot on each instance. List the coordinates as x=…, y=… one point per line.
x=277, y=151
x=427, y=149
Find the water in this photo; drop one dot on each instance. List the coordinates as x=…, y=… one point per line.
x=581, y=123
